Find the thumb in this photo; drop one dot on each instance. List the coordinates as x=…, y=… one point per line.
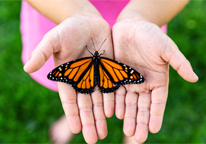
x=48, y=45
x=178, y=61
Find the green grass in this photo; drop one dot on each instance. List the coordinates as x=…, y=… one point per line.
x=27, y=109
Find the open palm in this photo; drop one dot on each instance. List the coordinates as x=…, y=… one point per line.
x=143, y=46
x=67, y=42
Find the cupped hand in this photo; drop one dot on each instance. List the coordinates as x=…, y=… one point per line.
x=143, y=46
x=67, y=41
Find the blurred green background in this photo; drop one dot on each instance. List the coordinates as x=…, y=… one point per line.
x=27, y=109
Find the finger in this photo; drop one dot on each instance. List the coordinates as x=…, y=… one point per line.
x=119, y=102
x=87, y=118
x=108, y=104
x=98, y=110
x=159, y=98
x=130, y=113
x=178, y=61
x=48, y=45
x=69, y=103
x=141, y=132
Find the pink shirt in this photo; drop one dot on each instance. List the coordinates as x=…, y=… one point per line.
x=34, y=26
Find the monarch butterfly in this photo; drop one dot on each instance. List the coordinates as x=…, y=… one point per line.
x=85, y=73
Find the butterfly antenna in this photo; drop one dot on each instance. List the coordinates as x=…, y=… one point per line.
x=93, y=43
x=102, y=44
x=89, y=51
x=102, y=53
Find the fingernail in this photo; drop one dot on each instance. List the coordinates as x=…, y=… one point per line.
x=25, y=67
x=196, y=76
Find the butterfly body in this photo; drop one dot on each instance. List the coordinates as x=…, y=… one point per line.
x=96, y=58
x=86, y=73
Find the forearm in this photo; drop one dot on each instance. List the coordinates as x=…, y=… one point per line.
x=59, y=10
x=159, y=12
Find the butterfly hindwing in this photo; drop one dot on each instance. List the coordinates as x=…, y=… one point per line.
x=105, y=83
x=78, y=73
x=119, y=73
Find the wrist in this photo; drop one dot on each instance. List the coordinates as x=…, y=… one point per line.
x=132, y=12
x=158, y=12
x=82, y=9
x=130, y=16
x=59, y=10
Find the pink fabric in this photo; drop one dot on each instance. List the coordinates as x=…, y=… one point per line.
x=34, y=26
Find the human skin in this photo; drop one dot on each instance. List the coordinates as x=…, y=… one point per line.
x=150, y=52
x=67, y=41
x=139, y=42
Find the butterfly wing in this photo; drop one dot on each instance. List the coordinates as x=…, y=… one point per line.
x=79, y=73
x=119, y=73
x=105, y=83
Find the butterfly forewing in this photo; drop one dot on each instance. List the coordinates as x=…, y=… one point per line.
x=119, y=73
x=78, y=73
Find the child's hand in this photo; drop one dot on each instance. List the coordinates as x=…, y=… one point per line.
x=67, y=41
x=143, y=46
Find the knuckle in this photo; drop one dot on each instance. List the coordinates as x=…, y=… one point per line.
x=158, y=107
x=143, y=115
x=143, y=109
x=98, y=104
x=69, y=102
x=70, y=107
x=86, y=109
x=130, y=104
x=158, y=102
x=143, y=123
x=119, y=103
x=45, y=57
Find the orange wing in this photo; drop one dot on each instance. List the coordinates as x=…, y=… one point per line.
x=105, y=83
x=78, y=73
x=119, y=73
